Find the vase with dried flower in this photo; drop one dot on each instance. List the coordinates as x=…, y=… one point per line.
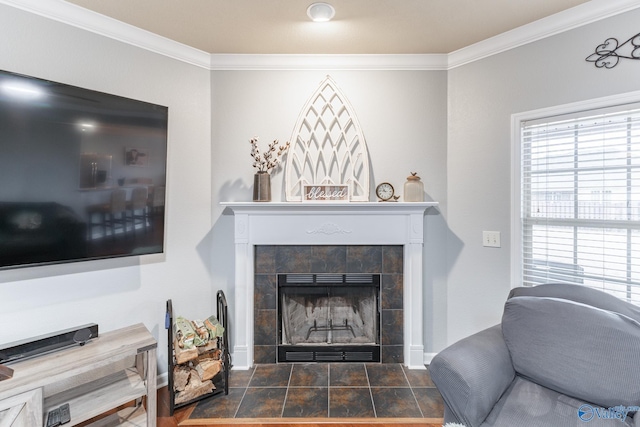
x=265, y=163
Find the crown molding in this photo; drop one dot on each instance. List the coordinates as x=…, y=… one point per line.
x=328, y=62
x=583, y=14
x=88, y=20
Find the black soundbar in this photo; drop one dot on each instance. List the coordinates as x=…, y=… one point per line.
x=32, y=347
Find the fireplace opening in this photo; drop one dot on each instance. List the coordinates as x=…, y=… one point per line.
x=328, y=317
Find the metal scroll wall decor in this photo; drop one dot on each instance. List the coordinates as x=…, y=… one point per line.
x=608, y=54
x=327, y=146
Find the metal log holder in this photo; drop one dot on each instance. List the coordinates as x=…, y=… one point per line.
x=221, y=380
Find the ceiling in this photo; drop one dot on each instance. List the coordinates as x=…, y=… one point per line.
x=359, y=27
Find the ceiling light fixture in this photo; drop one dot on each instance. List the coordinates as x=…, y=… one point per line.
x=321, y=12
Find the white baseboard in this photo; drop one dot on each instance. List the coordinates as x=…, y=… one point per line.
x=428, y=357
x=162, y=380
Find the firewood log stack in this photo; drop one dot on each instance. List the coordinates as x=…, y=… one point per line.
x=198, y=358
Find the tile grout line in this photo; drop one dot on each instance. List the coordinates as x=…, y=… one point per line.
x=412, y=392
x=373, y=403
x=286, y=393
x=245, y=392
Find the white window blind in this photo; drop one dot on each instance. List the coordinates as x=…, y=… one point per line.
x=581, y=200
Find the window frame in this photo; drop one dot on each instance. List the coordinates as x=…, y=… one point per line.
x=517, y=120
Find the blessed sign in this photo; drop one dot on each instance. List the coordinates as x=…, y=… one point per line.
x=326, y=193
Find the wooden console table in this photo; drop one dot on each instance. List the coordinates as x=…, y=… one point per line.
x=114, y=369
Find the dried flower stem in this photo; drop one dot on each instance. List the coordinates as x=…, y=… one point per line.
x=267, y=161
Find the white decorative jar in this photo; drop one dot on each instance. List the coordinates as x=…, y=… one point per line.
x=413, y=189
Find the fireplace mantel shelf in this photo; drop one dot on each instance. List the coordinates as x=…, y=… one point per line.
x=329, y=223
x=342, y=207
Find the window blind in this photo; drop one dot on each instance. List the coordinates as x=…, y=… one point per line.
x=581, y=200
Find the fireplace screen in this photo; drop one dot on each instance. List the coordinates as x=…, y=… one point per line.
x=329, y=317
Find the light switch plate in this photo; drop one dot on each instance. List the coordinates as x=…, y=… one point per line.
x=491, y=239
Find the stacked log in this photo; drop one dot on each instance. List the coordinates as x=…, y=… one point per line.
x=184, y=355
x=207, y=367
x=193, y=387
x=181, y=374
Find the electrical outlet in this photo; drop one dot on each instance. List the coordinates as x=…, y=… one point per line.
x=491, y=239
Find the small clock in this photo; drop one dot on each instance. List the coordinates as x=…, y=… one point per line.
x=384, y=191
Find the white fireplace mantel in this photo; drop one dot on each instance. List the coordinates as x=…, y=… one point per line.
x=328, y=223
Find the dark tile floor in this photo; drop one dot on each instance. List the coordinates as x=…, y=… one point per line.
x=325, y=390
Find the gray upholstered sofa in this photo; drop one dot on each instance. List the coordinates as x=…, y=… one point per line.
x=564, y=355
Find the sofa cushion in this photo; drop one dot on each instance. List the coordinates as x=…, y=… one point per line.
x=526, y=404
x=579, y=293
x=472, y=374
x=575, y=349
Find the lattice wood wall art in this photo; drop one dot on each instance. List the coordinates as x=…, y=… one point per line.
x=327, y=146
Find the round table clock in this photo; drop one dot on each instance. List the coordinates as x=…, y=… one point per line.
x=384, y=191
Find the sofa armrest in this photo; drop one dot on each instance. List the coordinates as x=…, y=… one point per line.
x=472, y=374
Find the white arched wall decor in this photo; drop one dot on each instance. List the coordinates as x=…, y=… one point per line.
x=327, y=146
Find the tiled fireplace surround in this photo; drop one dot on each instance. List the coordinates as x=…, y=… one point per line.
x=380, y=259
x=327, y=237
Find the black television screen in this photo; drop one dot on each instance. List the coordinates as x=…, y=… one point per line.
x=82, y=173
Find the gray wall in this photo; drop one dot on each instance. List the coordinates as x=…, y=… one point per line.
x=482, y=97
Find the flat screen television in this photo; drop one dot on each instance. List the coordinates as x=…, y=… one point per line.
x=82, y=174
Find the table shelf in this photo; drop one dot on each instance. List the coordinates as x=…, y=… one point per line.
x=107, y=372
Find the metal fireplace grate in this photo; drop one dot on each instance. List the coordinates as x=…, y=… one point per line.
x=368, y=354
x=329, y=279
x=312, y=329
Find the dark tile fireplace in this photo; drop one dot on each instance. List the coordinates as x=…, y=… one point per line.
x=346, y=302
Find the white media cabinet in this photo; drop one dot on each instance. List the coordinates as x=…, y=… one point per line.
x=114, y=369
